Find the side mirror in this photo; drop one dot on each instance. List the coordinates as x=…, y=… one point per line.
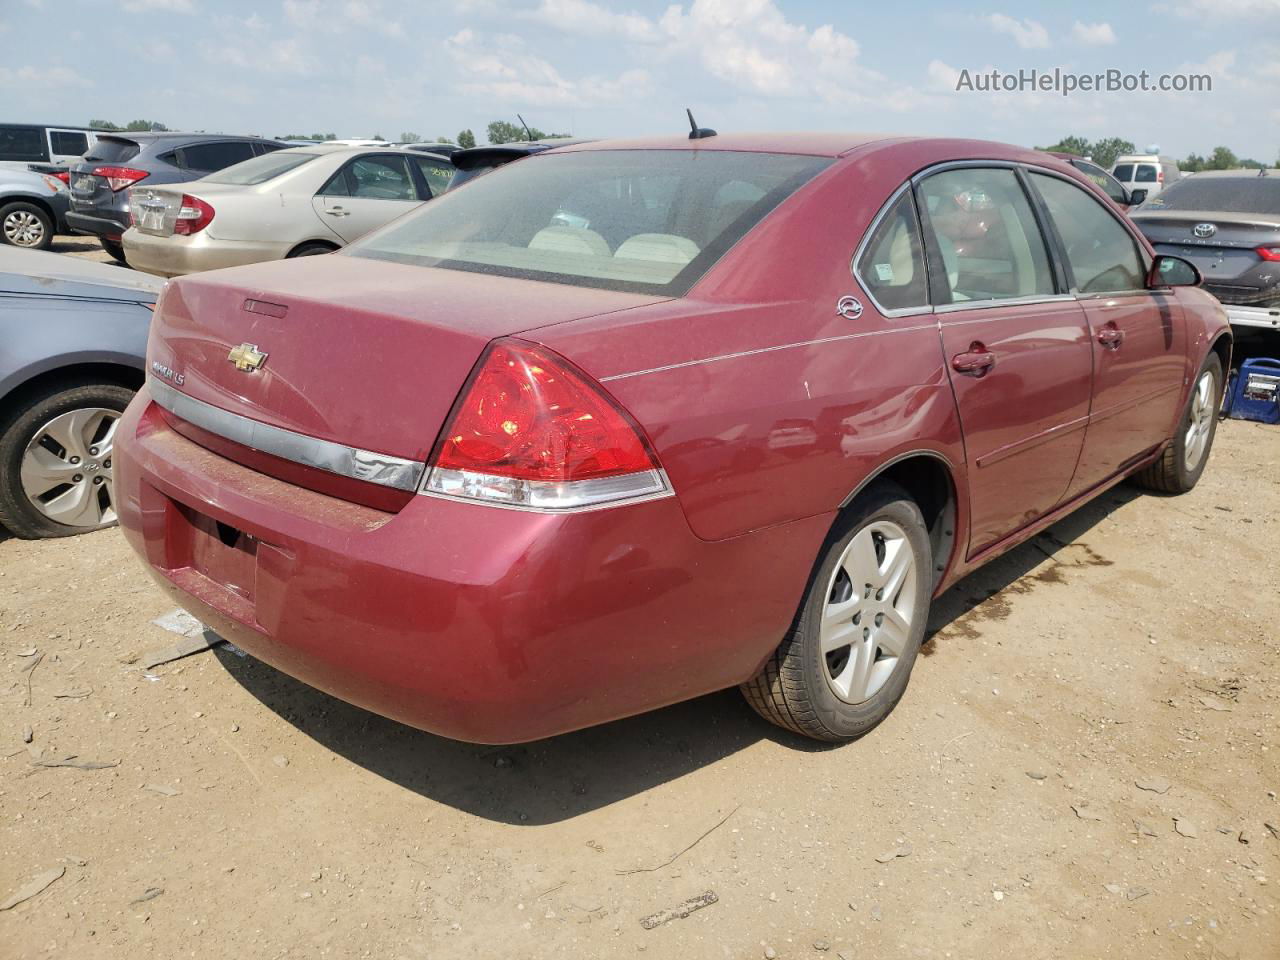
x=1137, y=196
x=1167, y=271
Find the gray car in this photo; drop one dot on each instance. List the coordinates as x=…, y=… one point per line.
x=73, y=338
x=1227, y=223
x=100, y=182
x=33, y=207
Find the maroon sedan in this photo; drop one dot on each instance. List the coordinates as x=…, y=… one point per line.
x=629, y=422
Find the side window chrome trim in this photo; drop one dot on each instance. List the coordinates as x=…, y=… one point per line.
x=883, y=212
x=1003, y=302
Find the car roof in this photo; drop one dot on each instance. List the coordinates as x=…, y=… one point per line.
x=329, y=149
x=149, y=136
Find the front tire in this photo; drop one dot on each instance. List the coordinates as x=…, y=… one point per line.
x=846, y=661
x=56, y=475
x=1183, y=461
x=25, y=225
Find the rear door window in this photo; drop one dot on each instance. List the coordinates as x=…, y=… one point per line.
x=380, y=177
x=1146, y=173
x=987, y=238
x=437, y=173
x=891, y=267
x=215, y=155
x=1123, y=172
x=68, y=143
x=23, y=143
x=1102, y=254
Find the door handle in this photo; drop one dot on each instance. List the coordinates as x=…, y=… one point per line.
x=974, y=362
x=337, y=212
x=1111, y=336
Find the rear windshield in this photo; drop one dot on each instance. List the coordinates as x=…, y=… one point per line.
x=1146, y=174
x=1247, y=194
x=260, y=169
x=651, y=221
x=113, y=150
x=1123, y=172
x=22, y=143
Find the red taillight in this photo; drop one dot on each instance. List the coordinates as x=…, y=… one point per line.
x=532, y=430
x=1159, y=176
x=64, y=176
x=1270, y=253
x=120, y=177
x=194, y=216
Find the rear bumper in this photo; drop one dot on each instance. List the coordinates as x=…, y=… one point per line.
x=177, y=255
x=95, y=225
x=1266, y=318
x=474, y=622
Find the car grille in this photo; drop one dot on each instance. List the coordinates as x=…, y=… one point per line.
x=1243, y=296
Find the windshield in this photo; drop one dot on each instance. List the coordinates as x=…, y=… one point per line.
x=260, y=169
x=1247, y=194
x=651, y=221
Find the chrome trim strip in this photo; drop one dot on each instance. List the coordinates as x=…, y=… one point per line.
x=335, y=458
x=1003, y=302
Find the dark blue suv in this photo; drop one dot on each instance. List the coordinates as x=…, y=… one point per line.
x=100, y=182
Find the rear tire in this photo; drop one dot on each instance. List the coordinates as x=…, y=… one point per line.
x=37, y=443
x=1183, y=461
x=311, y=250
x=845, y=663
x=25, y=225
x=115, y=249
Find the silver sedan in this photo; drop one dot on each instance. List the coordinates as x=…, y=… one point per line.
x=290, y=203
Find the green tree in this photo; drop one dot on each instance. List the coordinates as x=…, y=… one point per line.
x=502, y=131
x=444, y=140
x=409, y=137
x=1222, y=159
x=1104, y=152
x=1194, y=163
x=103, y=125
x=1250, y=164
x=466, y=139
x=142, y=126
x=1076, y=146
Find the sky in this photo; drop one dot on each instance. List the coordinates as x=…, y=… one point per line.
x=610, y=68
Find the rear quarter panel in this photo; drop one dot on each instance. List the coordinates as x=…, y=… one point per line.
x=763, y=403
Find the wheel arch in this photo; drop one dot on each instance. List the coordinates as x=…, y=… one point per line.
x=313, y=242
x=1222, y=347
x=930, y=478
x=68, y=375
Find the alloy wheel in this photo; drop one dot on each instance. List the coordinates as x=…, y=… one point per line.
x=867, y=619
x=1196, y=439
x=22, y=228
x=66, y=468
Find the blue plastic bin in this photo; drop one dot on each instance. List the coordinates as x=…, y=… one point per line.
x=1255, y=391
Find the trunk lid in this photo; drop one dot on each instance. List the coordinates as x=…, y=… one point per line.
x=1222, y=245
x=155, y=209
x=364, y=353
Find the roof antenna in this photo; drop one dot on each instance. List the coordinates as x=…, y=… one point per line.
x=527, y=131
x=696, y=132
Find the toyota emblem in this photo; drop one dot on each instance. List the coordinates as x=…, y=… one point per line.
x=1203, y=230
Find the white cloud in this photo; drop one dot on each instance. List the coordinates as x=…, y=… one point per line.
x=1028, y=34
x=499, y=67
x=40, y=77
x=582, y=16
x=1093, y=34
x=288, y=56
x=1221, y=11
x=148, y=6
x=336, y=16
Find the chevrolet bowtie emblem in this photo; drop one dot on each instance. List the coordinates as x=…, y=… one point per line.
x=247, y=357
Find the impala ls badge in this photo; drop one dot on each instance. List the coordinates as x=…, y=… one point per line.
x=1203, y=230
x=247, y=357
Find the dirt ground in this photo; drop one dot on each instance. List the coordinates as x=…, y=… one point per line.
x=1085, y=765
